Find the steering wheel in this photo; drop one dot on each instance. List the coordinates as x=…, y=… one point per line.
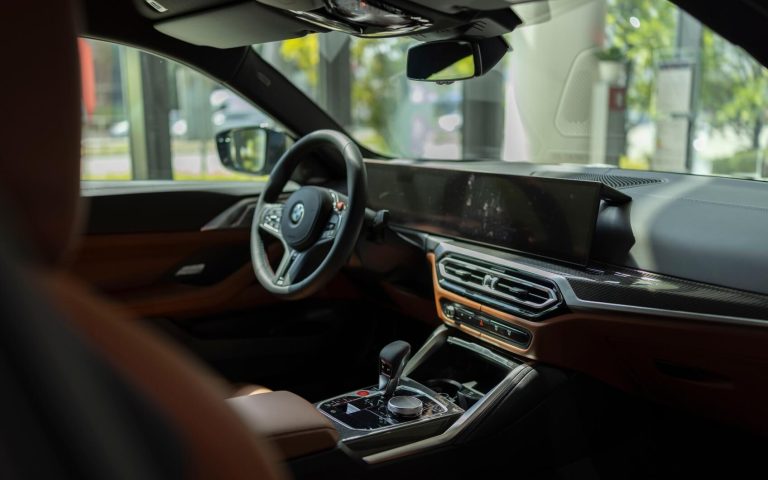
x=318, y=227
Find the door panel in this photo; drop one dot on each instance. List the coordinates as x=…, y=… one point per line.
x=123, y=263
x=158, y=274
x=221, y=313
x=146, y=247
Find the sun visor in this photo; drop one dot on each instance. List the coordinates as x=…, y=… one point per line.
x=234, y=26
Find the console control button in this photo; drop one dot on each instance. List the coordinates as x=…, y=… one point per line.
x=488, y=324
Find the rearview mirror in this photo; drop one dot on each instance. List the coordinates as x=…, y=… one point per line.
x=253, y=150
x=451, y=60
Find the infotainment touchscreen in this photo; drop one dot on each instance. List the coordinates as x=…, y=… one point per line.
x=549, y=217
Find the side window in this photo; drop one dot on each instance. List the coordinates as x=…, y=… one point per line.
x=149, y=118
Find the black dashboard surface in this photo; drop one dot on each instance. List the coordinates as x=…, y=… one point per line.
x=706, y=229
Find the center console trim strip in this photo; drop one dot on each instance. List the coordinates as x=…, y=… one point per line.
x=439, y=337
x=487, y=353
x=467, y=420
x=435, y=341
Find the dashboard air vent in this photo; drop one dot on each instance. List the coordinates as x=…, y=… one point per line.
x=615, y=181
x=502, y=288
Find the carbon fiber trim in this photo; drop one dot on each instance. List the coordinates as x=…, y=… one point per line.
x=681, y=296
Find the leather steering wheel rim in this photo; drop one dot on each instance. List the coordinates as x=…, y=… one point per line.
x=349, y=214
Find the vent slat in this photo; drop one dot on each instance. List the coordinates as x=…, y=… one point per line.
x=502, y=284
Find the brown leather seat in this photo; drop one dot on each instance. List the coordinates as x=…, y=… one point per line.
x=39, y=188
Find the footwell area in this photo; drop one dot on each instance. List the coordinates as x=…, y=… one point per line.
x=589, y=431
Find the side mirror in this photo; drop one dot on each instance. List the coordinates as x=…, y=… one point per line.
x=253, y=150
x=451, y=60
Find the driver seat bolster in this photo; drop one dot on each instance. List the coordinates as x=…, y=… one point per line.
x=219, y=444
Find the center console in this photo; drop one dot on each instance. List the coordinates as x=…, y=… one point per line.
x=429, y=408
x=368, y=421
x=423, y=400
x=395, y=410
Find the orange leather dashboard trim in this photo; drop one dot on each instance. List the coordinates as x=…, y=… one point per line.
x=717, y=370
x=440, y=294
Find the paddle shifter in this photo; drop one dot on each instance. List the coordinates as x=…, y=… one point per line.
x=391, y=362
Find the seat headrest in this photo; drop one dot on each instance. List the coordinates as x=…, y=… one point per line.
x=40, y=133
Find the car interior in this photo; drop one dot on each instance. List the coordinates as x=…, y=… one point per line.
x=383, y=239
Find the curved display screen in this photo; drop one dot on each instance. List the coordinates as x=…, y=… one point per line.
x=549, y=217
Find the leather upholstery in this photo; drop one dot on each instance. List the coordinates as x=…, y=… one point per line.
x=219, y=445
x=295, y=426
x=39, y=187
x=65, y=412
x=40, y=136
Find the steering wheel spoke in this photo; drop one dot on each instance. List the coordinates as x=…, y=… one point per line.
x=331, y=228
x=294, y=264
x=271, y=216
x=284, y=268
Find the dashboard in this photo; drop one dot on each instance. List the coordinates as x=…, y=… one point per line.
x=696, y=228
x=661, y=289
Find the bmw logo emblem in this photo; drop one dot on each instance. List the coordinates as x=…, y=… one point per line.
x=297, y=213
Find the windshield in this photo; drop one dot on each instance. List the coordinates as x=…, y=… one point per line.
x=637, y=84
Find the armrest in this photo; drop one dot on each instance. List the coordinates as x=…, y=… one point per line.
x=293, y=424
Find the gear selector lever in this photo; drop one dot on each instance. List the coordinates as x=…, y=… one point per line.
x=391, y=404
x=391, y=363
